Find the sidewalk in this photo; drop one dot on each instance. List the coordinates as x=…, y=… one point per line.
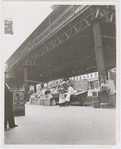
x=73, y=125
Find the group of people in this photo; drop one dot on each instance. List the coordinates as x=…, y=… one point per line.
x=61, y=93
x=65, y=90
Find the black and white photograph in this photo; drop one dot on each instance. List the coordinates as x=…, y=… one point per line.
x=60, y=74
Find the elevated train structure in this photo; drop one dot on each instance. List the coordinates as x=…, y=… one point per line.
x=73, y=40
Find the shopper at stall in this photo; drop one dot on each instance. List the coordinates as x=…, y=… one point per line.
x=44, y=89
x=61, y=97
x=71, y=91
x=48, y=95
x=55, y=95
x=8, y=113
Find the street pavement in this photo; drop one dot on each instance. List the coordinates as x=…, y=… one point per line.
x=72, y=125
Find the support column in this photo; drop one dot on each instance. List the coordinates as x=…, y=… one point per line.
x=99, y=50
x=99, y=53
x=106, y=72
x=26, y=84
x=35, y=88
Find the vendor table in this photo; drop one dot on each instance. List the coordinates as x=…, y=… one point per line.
x=78, y=96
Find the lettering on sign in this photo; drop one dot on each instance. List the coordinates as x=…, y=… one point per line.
x=18, y=101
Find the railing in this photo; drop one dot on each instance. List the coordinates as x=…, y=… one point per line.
x=59, y=22
x=66, y=16
x=62, y=19
x=43, y=36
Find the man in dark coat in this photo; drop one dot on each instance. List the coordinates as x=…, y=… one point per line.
x=8, y=109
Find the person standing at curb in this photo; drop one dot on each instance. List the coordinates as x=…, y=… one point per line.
x=8, y=110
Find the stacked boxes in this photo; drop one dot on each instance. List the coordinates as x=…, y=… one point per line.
x=95, y=99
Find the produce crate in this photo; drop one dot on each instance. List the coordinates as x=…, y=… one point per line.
x=45, y=102
x=53, y=102
x=112, y=100
x=48, y=102
x=96, y=104
x=39, y=102
x=96, y=99
x=42, y=102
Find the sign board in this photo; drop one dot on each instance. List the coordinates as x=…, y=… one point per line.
x=18, y=103
x=80, y=84
x=8, y=26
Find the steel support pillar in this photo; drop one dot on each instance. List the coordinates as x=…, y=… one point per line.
x=26, y=84
x=35, y=88
x=99, y=53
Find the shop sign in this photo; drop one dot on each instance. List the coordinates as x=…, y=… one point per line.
x=80, y=85
x=18, y=101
